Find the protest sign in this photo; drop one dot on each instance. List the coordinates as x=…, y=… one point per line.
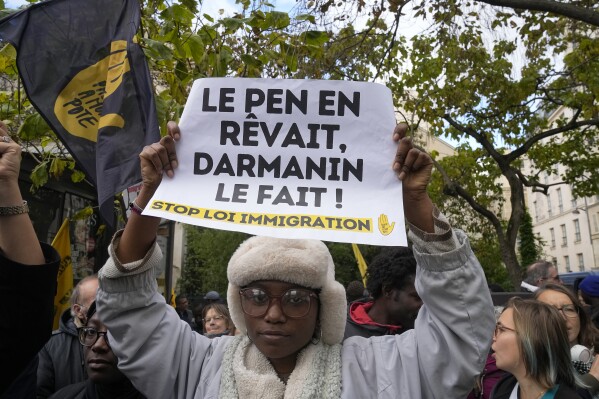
x=287, y=158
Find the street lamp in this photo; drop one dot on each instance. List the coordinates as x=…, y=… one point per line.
x=585, y=208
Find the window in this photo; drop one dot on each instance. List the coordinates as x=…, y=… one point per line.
x=536, y=208
x=545, y=177
x=564, y=236
x=595, y=224
x=554, y=261
x=574, y=200
x=567, y=263
x=549, y=204
x=576, y=230
x=560, y=202
x=552, y=232
x=580, y=262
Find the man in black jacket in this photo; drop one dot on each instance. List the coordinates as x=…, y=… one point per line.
x=395, y=303
x=61, y=361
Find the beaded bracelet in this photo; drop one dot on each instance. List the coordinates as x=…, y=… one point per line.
x=135, y=208
x=14, y=210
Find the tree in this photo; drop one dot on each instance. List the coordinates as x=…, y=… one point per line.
x=584, y=11
x=529, y=248
x=464, y=84
x=206, y=260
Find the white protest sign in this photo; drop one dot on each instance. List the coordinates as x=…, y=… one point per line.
x=287, y=158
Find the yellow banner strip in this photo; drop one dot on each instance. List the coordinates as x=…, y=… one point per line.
x=317, y=222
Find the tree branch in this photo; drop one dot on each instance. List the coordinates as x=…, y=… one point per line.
x=456, y=190
x=567, y=10
x=484, y=142
x=536, y=186
x=551, y=132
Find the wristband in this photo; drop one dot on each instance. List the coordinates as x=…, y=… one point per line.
x=14, y=210
x=135, y=208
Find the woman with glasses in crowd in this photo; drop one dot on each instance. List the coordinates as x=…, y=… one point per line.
x=291, y=312
x=217, y=320
x=105, y=380
x=582, y=334
x=531, y=343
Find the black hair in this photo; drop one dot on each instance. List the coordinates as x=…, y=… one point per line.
x=393, y=267
x=354, y=290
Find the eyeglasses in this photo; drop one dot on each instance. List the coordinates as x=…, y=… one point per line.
x=295, y=302
x=569, y=311
x=500, y=328
x=215, y=318
x=88, y=336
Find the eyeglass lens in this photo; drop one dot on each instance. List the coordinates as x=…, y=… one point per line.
x=295, y=303
x=88, y=336
x=569, y=311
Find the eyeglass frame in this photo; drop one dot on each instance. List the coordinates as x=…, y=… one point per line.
x=311, y=295
x=80, y=331
x=561, y=310
x=501, y=328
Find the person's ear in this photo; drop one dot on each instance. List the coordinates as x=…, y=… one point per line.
x=387, y=291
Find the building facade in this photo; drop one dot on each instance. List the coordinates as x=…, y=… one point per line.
x=568, y=226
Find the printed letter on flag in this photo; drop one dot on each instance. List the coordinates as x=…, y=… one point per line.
x=86, y=76
x=62, y=245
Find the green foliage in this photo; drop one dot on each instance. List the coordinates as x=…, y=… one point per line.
x=529, y=248
x=346, y=265
x=488, y=253
x=206, y=260
x=209, y=251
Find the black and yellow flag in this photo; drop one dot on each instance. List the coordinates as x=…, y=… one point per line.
x=86, y=76
x=64, y=289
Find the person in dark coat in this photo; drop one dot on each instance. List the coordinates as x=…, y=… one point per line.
x=182, y=308
x=28, y=271
x=105, y=379
x=395, y=302
x=61, y=360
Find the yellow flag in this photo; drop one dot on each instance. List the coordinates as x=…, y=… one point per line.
x=361, y=262
x=62, y=244
x=173, y=298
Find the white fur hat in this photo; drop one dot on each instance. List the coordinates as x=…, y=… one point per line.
x=304, y=262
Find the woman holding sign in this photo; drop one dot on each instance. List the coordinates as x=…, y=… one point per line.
x=291, y=312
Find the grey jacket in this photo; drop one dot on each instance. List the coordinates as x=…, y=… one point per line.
x=439, y=358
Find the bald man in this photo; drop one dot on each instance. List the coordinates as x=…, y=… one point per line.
x=61, y=361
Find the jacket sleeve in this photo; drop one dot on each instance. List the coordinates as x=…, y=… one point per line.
x=447, y=348
x=45, y=374
x=157, y=350
x=26, y=312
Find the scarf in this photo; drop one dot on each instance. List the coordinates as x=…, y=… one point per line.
x=248, y=374
x=582, y=367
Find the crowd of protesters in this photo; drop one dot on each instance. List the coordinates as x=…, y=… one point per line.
x=423, y=327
